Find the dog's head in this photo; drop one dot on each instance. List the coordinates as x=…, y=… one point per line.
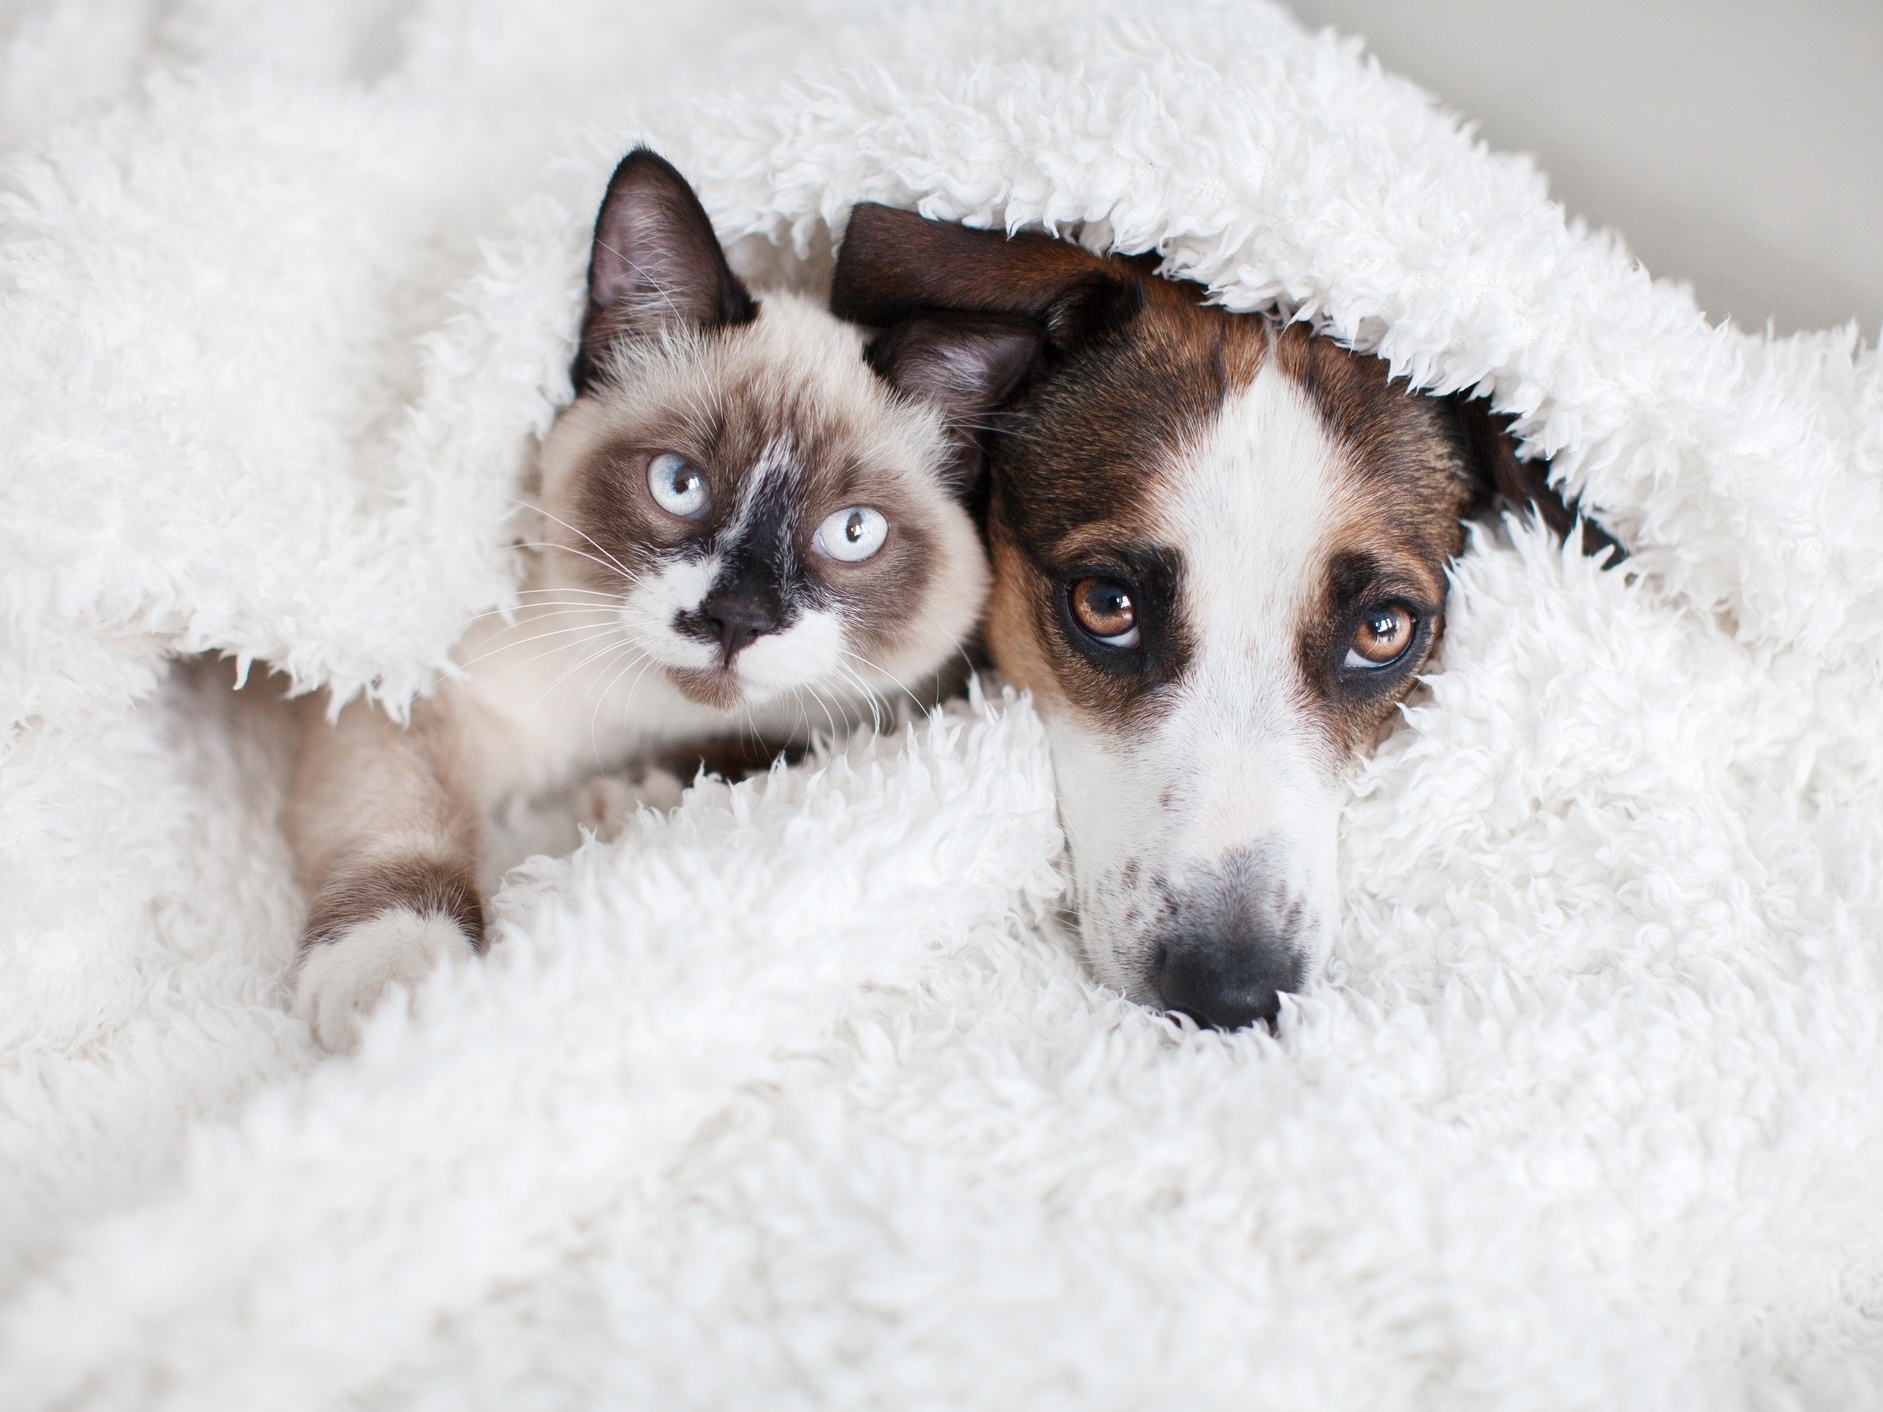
x=1220, y=550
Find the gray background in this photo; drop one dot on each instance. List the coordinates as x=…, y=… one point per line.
x=1737, y=145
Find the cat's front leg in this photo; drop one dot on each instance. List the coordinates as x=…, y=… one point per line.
x=390, y=922
x=606, y=803
x=384, y=826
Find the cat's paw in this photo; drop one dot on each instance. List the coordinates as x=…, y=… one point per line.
x=340, y=982
x=607, y=802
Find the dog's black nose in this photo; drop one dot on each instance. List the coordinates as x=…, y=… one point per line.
x=1223, y=982
x=1230, y=941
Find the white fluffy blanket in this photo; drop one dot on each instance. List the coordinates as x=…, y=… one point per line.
x=797, y=1098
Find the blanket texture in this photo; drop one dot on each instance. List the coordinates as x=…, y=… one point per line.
x=798, y=1097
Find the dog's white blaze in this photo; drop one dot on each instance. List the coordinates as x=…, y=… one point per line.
x=1233, y=761
x=1250, y=508
x=1252, y=514
x=810, y=650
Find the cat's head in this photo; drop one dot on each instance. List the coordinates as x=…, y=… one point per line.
x=760, y=509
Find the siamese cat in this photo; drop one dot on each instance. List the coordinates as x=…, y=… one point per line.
x=743, y=527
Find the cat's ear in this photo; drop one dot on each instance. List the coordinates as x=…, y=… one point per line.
x=963, y=365
x=656, y=264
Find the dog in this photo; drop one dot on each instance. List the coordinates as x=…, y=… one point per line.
x=1220, y=548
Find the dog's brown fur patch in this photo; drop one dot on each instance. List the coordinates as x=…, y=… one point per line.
x=1408, y=485
x=1262, y=497
x=1082, y=459
x=1134, y=370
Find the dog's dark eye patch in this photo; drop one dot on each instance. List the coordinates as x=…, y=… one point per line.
x=1150, y=576
x=1364, y=588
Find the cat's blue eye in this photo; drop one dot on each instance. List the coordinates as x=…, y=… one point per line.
x=851, y=536
x=678, y=486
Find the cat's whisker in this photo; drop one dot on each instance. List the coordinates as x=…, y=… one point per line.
x=646, y=661
x=916, y=701
x=593, y=630
x=608, y=563
x=546, y=611
x=647, y=664
x=519, y=612
x=581, y=645
x=804, y=714
x=526, y=634
x=699, y=421
x=634, y=655
x=515, y=612
x=875, y=708
x=878, y=708
x=538, y=612
x=614, y=644
x=824, y=705
x=569, y=593
x=615, y=563
x=899, y=684
x=967, y=659
x=870, y=697
x=748, y=722
x=545, y=592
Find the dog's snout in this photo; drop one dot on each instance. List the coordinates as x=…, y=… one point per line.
x=1231, y=942
x=1224, y=983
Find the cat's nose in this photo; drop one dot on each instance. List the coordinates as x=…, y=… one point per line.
x=738, y=619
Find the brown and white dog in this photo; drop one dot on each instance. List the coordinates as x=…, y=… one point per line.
x=1220, y=549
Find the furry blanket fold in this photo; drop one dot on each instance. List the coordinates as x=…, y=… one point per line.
x=798, y=1096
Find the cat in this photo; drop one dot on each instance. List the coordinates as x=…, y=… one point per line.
x=743, y=527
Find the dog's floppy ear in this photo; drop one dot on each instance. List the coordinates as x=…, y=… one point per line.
x=896, y=264
x=1523, y=485
x=656, y=263
x=965, y=366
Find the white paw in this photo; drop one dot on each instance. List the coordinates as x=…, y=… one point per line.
x=341, y=981
x=607, y=802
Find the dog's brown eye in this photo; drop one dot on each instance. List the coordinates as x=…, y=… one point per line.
x=1382, y=638
x=1106, y=609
